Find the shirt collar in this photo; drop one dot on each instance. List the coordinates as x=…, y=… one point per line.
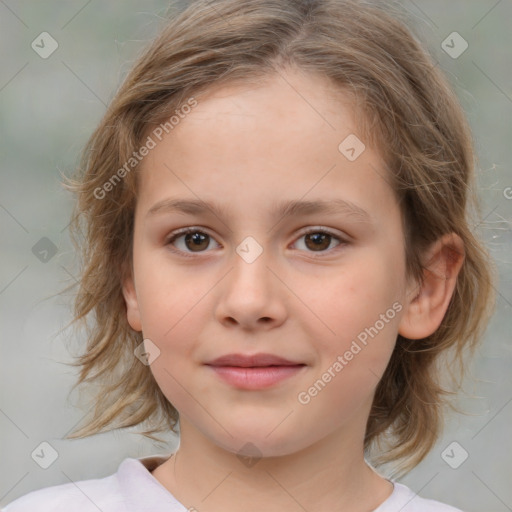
x=142, y=491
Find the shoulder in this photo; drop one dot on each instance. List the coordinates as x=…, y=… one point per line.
x=81, y=496
x=131, y=488
x=404, y=499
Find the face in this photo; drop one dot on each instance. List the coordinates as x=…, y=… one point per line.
x=319, y=286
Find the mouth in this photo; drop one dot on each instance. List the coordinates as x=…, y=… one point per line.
x=254, y=372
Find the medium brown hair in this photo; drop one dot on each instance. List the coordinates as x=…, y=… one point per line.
x=408, y=112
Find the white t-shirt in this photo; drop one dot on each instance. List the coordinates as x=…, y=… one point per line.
x=134, y=489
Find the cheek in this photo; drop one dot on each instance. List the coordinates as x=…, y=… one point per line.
x=169, y=307
x=166, y=297
x=353, y=298
x=170, y=318
x=359, y=312
x=172, y=315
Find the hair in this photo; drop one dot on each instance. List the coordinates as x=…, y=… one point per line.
x=407, y=111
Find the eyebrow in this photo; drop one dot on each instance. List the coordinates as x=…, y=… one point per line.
x=280, y=210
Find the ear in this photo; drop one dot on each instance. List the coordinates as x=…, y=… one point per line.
x=426, y=305
x=130, y=298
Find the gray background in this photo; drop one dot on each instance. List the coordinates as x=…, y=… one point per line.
x=50, y=106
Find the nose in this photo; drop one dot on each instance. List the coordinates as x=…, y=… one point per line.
x=251, y=296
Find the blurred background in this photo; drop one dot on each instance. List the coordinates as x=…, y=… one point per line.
x=61, y=63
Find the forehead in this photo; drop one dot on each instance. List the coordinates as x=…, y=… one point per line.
x=284, y=134
x=290, y=95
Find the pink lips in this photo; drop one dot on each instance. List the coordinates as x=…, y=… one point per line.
x=258, y=371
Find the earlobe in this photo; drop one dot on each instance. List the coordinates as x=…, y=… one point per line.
x=426, y=305
x=132, y=304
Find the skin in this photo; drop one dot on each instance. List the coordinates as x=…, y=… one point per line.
x=247, y=147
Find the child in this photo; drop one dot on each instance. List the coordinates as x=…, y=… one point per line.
x=277, y=254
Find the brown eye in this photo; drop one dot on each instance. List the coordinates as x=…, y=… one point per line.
x=191, y=240
x=318, y=240
x=196, y=241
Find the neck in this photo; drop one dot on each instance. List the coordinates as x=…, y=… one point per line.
x=328, y=475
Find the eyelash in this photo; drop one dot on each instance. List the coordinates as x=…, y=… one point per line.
x=177, y=234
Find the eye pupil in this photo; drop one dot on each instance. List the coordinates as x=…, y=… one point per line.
x=318, y=240
x=197, y=239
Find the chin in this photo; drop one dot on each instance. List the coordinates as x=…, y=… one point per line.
x=255, y=441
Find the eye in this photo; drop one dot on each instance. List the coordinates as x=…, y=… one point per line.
x=194, y=240
x=318, y=240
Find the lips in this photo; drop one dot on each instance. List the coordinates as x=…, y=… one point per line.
x=250, y=361
x=254, y=372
